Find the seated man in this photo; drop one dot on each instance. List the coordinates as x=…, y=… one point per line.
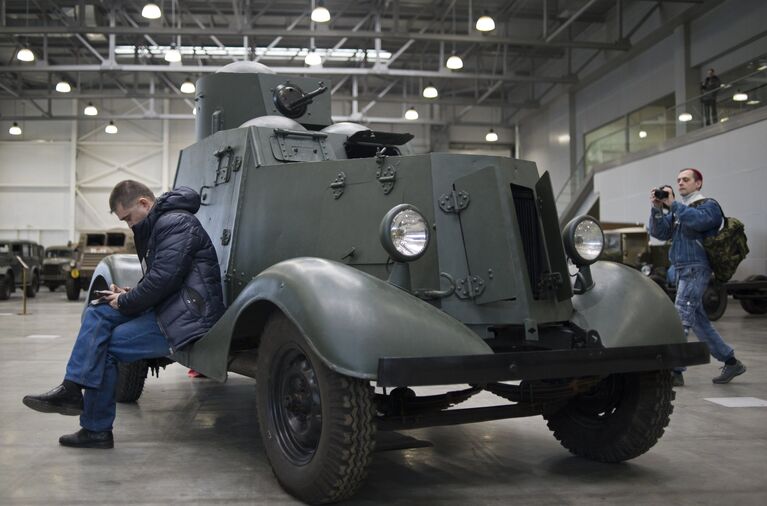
x=176, y=302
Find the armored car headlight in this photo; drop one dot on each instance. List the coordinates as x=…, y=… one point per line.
x=584, y=240
x=646, y=269
x=404, y=233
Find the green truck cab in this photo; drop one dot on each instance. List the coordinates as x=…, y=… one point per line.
x=354, y=271
x=56, y=265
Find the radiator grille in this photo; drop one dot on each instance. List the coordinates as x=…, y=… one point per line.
x=530, y=231
x=91, y=260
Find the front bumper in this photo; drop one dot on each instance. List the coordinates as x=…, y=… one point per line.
x=536, y=365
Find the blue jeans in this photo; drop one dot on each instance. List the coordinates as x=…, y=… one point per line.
x=107, y=337
x=692, y=282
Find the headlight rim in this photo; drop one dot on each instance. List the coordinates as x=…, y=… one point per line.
x=569, y=240
x=385, y=235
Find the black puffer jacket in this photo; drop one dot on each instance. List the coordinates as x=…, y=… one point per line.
x=182, y=281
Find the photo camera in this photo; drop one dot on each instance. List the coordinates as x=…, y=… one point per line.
x=660, y=194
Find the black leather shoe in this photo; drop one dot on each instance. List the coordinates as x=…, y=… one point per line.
x=85, y=438
x=59, y=400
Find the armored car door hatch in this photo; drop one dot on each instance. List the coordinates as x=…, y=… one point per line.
x=355, y=270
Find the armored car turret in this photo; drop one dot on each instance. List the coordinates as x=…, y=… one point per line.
x=355, y=270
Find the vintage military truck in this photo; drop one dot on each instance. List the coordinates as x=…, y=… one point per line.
x=92, y=247
x=354, y=271
x=56, y=266
x=11, y=269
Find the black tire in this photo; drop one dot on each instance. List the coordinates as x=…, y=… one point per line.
x=621, y=418
x=321, y=442
x=73, y=288
x=130, y=380
x=755, y=306
x=715, y=300
x=5, y=288
x=33, y=286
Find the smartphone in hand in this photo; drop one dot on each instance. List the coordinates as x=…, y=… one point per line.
x=103, y=294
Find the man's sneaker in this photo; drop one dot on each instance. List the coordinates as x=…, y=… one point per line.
x=729, y=372
x=677, y=379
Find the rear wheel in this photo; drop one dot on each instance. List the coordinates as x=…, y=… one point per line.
x=5, y=287
x=130, y=380
x=619, y=419
x=73, y=288
x=715, y=300
x=33, y=286
x=755, y=306
x=318, y=426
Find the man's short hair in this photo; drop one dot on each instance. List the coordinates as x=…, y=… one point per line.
x=127, y=192
x=696, y=175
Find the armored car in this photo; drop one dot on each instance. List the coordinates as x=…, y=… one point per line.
x=355, y=271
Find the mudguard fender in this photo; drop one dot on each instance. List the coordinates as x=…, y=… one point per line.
x=627, y=308
x=124, y=270
x=349, y=318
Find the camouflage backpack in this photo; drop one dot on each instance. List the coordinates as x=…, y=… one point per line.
x=727, y=248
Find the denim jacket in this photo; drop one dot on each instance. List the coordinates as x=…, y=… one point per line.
x=687, y=227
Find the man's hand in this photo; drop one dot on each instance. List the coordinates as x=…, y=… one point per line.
x=112, y=299
x=117, y=289
x=670, y=199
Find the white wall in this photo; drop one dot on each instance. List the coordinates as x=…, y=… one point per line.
x=734, y=167
x=544, y=140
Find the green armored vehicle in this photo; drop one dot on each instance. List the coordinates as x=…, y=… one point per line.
x=14, y=255
x=355, y=271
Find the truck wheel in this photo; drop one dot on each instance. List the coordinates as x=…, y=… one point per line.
x=33, y=287
x=318, y=426
x=755, y=306
x=73, y=289
x=130, y=380
x=621, y=418
x=715, y=300
x=5, y=287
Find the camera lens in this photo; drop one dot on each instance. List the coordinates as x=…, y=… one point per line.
x=660, y=194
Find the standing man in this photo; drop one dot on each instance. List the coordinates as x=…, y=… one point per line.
x=688, y=223
x=709, y=88
x=176, y=302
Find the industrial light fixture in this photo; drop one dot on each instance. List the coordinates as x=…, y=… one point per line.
x=15, y=129
x=187, y=86
x=411, y=114
x=485, y=23
x=739, y=96
x=430, y=91
x=194, y=111
x=642, y=134
x=173, y=55
x=564, y=138
x=685, y=117
x=90, y=110
x=726, y=118
x=491, y=136
x=454, y=62
x=63, y=86
x=320, y=14
x=313, y=58
x=151, y=11
x=111, y=128
x=25, y=54
x=752, y=102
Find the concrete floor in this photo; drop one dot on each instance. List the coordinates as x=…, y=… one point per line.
x=197, y=442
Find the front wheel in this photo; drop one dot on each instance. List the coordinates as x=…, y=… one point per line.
x=620, y=418
x=33, y=286
x=130, y=380
x=73, y=288
x=715, y=300
x=757, y=305
x=318, y=426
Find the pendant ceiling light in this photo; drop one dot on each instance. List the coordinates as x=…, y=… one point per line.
x=430, y=91
x=313, y=58
x=685, y=117
x=411, y=114
x=187, y=86
x=740, y=96
x=15, y=129
x=111, y=128
x=25, y=54
x=485, y=23
x=491, y=136
x=320, y=14
x=63, y=86
x=642, y=134
x=454, y=62
x=90, y=110
x=151, y=11
x=172, y=55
